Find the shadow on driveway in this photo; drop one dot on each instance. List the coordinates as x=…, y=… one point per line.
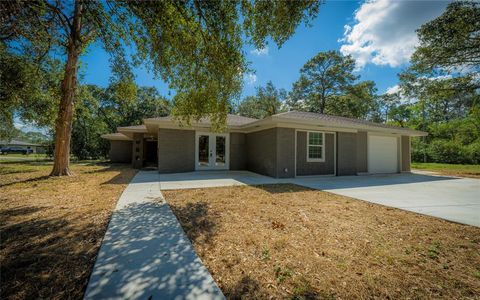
x=348, y=182
x=203, y=179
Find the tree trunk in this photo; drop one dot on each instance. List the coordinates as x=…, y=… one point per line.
x=322, y=105
x=63, y=126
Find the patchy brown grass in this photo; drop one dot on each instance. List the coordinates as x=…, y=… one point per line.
x=286, y=241
x=51, y=228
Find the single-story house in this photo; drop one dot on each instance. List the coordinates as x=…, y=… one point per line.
x=283, y=145
x=35, y=148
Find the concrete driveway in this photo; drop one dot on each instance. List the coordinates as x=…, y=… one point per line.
x=450, y=198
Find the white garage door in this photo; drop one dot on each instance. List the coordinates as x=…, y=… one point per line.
x=382, y=154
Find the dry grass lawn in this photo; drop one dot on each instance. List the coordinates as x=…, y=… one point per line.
x=51, y=228
x=286, y=241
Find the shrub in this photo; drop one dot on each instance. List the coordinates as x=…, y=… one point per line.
x=418, y=150
x=445, y=151
x=473, y=152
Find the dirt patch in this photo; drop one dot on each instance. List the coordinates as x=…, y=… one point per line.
x=52, y=228
x=286, y=241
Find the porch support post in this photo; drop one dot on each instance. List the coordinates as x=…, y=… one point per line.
x=137, y=151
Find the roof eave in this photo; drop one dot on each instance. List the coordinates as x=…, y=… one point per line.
x=115, y=137
x=173, y=123
x=278, y=118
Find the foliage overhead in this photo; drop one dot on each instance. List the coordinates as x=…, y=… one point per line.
x=268, y=101
x=195, y=46
x=27, y=90
x=451, y=41
x=439, y=92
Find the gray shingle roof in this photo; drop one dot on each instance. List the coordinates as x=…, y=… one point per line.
x=310, y=116
x=18, y=143
x=116, y=136
x=134, y=127
x=232, y=120
x=300, y=117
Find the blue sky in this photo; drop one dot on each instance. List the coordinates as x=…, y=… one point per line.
x=379, y=34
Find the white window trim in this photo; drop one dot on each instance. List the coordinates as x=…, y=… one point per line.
x=322, y=145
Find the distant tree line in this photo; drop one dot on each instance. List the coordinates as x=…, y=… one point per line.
x=439, y=92
x=98, y=111
x=102, y=110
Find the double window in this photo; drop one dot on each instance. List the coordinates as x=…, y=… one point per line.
x=315, y=146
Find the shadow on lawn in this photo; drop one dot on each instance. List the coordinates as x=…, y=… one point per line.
x=16, y=171
x=282, y=188
x=198, y=222
x=35, y=179
x=46, y=257
x=245, y=288
x=7, y=214
x=121, y=178
x=39, y=162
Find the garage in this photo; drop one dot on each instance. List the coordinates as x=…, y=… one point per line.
x=382, y=154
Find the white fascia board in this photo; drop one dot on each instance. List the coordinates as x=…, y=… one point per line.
x=353, y=127
x=115, y=137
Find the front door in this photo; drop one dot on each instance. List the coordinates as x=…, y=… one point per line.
x=211, y=151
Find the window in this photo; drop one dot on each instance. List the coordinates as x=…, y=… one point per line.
x=315, y=146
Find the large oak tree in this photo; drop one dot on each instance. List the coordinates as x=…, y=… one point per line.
x=193, y=45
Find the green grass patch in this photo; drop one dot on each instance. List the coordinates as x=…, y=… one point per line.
x=434, y=250
x=282, y=273
x=477, y=274
x=448, y=168
x=266, y=253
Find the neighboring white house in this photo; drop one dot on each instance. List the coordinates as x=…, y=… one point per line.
x=36, y=148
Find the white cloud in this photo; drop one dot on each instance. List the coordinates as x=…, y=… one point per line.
x=20, y=125
x=260, y=52
x=384, y=30
x=250, y=78
x=393, y=89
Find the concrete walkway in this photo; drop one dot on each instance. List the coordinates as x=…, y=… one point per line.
x=145, y=253
x=205, y=179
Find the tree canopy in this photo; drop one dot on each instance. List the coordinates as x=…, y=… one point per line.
x=439, y=91
x=267, y=101
x=451, y=41
x=323, y=77
x=194, y=46
x=327, y=84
